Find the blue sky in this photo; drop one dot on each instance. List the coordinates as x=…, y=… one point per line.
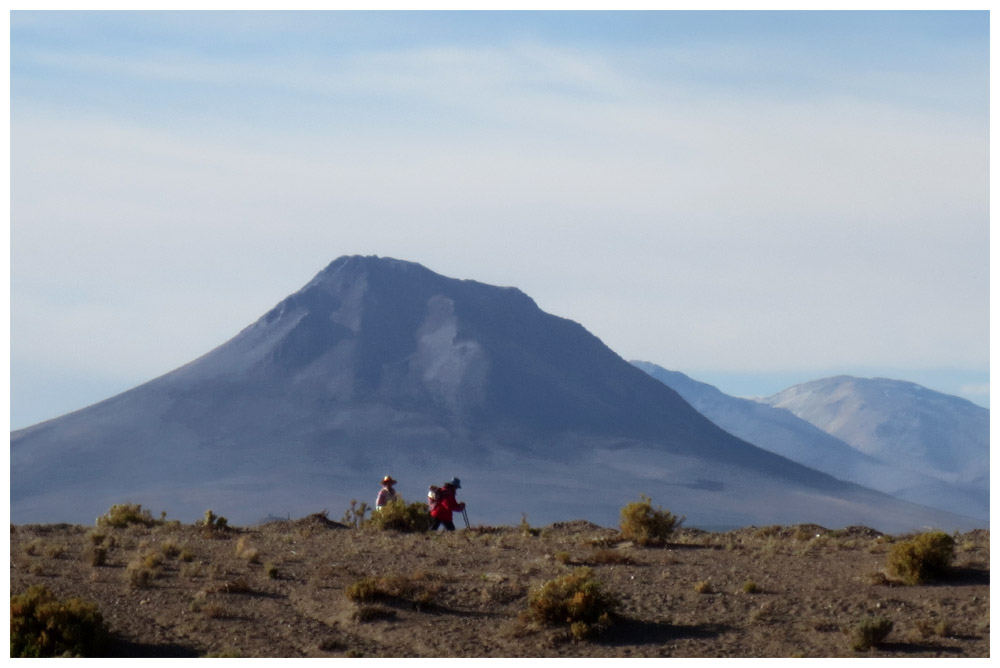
x=752, y=198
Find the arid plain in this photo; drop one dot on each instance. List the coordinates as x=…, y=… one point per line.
x=289, y=589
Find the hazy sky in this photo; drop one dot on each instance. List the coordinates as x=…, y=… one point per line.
x=754, y=199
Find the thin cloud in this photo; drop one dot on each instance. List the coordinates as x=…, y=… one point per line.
x=746, y=205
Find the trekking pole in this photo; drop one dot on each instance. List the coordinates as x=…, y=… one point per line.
x=466, y=516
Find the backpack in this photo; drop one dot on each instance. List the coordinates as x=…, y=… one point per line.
x=433, y=496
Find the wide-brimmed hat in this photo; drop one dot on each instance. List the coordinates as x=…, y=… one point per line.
x=389, y=480
x=455, y=482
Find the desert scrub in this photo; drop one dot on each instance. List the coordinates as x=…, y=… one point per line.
x=140, y=572
x=127, y=514
x=926, y=628
x=213, y=525
x=417, y=589
x=768, y=531
x=870, y=632
x=576, y=600
x=645, y=525
x=527, y=529
x=373, y=613
x=234, y=586
x=42, y=626
x=96, y=555
x=170, y=549
x=210, y=609
x=55, y=550
x=34, y=548
x=609, y=556
x=925, y=557
x=245, y=551
x=397, y=515
x=355, y=515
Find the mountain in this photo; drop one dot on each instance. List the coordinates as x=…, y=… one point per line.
x=379, y=366
x=902, y=424
x=780, y=431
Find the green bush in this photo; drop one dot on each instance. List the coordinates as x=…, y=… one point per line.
x=124, y=514
x=871, y=631
x=575, y=600
x=42, y=626
x=925, y=557
x=645, y=525
x=400, y=516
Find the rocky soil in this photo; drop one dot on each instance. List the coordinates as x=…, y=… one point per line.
x=285, y=589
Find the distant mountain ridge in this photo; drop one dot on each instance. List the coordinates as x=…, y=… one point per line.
x=380, y=366
x=890, y=451
x=940, y=435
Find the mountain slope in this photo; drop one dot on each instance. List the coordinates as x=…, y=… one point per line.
x=381, y=366
x=900, y=423
x=780, y=431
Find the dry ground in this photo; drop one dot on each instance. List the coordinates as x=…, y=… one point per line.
x=279, y=591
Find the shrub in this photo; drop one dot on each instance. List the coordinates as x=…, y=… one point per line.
x=923, y=558
x=55, y=551
x=213, y=523
x=870, y=632
x=97, y=555
x=97, y=537
x=355, y=515
x=34, y=548
x=365, y=589
x=140, y=574
x=646, y=525
x=152, y=560
x=575, y=600
x=235, y=586
x=169, y=549
x=371, y=613
x=415, y=589
x=768, y=531
x=42, y=626
x=397, y=515
x=526, y=529
x=245, y=551
x=125, y=514
x=208, y=608
x=750, y=587
x=606, y=556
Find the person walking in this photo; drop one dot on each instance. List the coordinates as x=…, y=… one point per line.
x=386, y=494
x=445, y=504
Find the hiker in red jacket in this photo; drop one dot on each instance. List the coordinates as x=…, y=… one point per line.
x=445, y=504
